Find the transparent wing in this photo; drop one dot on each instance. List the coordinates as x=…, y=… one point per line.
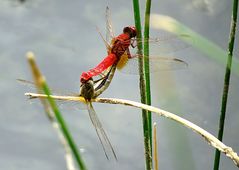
x=109, y=28
x=107, y=45
x=70, y=105
x=166, y=42
x=27, y=83
x=64, y=104
x=170, y=43
x=104, y=140
x=156, y=63
x=109, y=31
x=32, y=85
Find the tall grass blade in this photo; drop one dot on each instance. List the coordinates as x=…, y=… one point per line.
x=147, y=141
x=146, y=67
x=41, y=84
x=155, y=155
x=226, y=81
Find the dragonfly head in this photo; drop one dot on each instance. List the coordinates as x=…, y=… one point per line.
x=131, y=30
x=84, y=77
x=87, y=89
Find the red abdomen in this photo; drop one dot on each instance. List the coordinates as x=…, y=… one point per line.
x=119, y=47
x=107, y=62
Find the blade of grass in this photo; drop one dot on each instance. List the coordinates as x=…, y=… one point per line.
x=64, y=127
x=41, y=83
x=146, y=67
x=209, y=138
x=196, y=40
x=50, y=115
x=156, y=166
x=147, y=140
x=182, y=143
x=226, y=81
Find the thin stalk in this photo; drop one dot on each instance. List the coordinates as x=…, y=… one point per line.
x=147, y=141
x=51, y=117
x=146, y=66
x=156, y=166
x=41, y=83
x=226, y=81
x=209, y=138
x=64, y=127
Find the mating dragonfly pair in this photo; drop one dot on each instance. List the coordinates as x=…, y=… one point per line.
x=119, y=57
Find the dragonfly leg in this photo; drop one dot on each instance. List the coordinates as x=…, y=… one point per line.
x=133, y=43
x=128, y=54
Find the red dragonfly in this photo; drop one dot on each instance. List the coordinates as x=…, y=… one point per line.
x=119, y=53
x=118, y=56
x=120, y=46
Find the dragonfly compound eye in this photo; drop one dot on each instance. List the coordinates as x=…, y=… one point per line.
x=131, y=30
x=84, y=77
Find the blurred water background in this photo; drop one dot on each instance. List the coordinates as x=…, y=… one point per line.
x=63, y=36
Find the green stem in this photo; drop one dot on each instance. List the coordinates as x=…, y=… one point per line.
x=41, y=84
x=146, y=67
x=226, y=81
x=147, y=141
x=63, y=127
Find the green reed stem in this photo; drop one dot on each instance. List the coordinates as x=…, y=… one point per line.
x=64, y=127
x=41, y=83
x=145, y=117
x=155, y=141
x=147, y=67
x=226, y=81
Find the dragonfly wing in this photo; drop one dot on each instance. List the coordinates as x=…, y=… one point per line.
x=33, y=86
x=109, y=31
x=43, y=102
x=104, y=140
x=156, y=64
x=71, y=105
x=173, y=45
x=166, y=64
x=65, y=104
x=164, y=36
x=169, y=43
x=29, y=84
x=109, y=28
x=61, y=103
